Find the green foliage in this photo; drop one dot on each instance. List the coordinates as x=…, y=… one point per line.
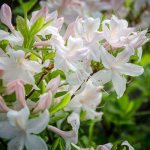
x=64, y=102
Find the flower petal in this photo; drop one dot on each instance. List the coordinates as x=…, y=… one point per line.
x=126, y=143
x=131, y=69
x=34, y=142
x=101, y=77
x=7, y=131
x=16, y=144
x=18, y=118
x=37, y=125
x=107, y=58
x=119, y=83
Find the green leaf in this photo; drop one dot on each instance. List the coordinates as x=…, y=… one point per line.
x=58, y=94
x=64, y=102
x=56, y=73
x=55, y=144
x=58, y=117
x=36, y=27
x=50, y=55
x=29, y=5
x=3, y=44
x=21, y=26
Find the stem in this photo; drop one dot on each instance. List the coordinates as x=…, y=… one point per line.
x=91, y=133
x=51, y=66
x=41, y=78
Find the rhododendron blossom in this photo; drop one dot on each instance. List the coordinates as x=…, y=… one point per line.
x=54, y=67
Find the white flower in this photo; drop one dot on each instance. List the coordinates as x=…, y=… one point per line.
x=126, y=143
x=114, y=70
x=14, y=38
x=87, y=100
x=87, y=29
x=115, y=31
x=16, y=67
x=20, y=129
x=67, y=57
x=69, y=136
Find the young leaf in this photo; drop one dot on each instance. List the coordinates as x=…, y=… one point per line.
x=36, y=27
x=21, y=25
x=64, y=102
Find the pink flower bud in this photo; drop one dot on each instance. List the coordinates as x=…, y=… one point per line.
x=59, y=22
x=17, y=87
x=53, y=84
x=41, y=13
x=44, y=102
x=70, y=30
x=3, y=106
x=6, y=16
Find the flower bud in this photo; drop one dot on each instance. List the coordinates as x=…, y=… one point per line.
x=17, y=87
x=44, y=102
x=41, y=13
x=6, y=16
x=3, y=106
x=53, y=84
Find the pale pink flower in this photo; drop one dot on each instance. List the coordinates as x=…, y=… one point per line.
x=17, y=86
x=44, y=102
x=3, y=106
x=6, y=16
x=53, y=84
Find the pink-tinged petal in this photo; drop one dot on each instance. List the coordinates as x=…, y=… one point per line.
x=34, y=142
x=17, y=87
x=53, y=84
x=16, y=143
x=59, y=22
x=71, y=30
x=119, y=84
x=44, y=102
x=117, y=4
x=131, y=69
x=3, y=106
x=41, y=13
x=69, y=136
x=6, y=16
x=38, y=124
x=106, y=57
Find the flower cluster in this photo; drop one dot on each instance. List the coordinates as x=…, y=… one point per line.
x=45, y=74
